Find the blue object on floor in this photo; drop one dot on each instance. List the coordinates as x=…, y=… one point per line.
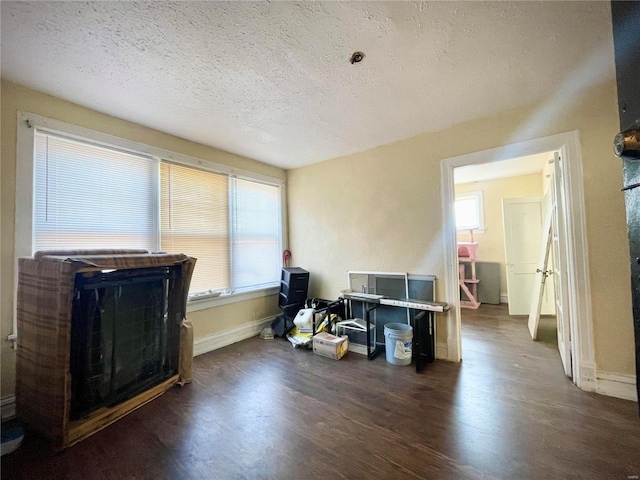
x=11, y=439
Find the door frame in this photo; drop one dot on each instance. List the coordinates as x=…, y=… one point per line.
x=560, y=257
x=579, y=290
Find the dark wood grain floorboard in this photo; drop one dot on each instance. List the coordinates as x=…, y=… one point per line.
x=260, y=409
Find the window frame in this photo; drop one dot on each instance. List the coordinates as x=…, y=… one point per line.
x=27, y=123
x=479, y=199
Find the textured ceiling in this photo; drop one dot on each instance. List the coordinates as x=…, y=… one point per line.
x=272, y=80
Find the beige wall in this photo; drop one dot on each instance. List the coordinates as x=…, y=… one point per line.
x=491, y=242
x=14, y=98
x=381, y=209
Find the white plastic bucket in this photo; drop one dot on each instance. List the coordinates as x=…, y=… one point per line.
x=398, y=343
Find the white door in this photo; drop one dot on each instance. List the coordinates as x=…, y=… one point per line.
x=522, y=219
x=559, y=257
x=542, y=273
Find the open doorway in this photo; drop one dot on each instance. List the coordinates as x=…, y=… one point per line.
x=501, y=209
x=578, y=308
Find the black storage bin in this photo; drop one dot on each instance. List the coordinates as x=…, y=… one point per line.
x=294, y=286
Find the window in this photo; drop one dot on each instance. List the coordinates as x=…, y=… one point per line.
x=469, y=211
x=231, y=225
x=88, y=196
x=256, y=233
x=97, y=191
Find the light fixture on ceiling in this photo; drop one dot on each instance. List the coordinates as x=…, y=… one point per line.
x=356, y=57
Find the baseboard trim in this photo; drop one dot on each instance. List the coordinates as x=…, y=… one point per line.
x=504, y=298
x=228, y=337
x=617, y=385
x=587, y=381
x=442, y=351
x=8, y=407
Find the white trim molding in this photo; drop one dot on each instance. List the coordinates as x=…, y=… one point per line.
x=195, y=305
x=582, y=349
x=617, y=385
x=8, y=407
x=587, y=376
x=228, y=337
x=452, y=288
x=568, y=144
x=442, y=351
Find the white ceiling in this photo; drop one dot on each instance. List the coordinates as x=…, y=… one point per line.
x=272, y=80
x=502, y=169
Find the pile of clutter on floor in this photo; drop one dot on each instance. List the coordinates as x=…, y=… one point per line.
x=313, y=327
x=301, y=335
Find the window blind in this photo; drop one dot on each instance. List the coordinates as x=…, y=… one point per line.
x=89, y=196
x=195, y=220
x=256, y=234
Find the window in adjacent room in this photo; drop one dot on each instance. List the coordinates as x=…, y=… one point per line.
x=469, y=211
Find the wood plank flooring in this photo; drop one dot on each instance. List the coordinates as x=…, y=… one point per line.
x=260, y=409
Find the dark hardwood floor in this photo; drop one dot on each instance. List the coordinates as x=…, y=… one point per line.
x=260, y=409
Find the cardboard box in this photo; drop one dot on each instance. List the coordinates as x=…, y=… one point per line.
x=330, y=346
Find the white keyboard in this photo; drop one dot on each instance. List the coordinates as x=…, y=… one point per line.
x=430, y=306
x=368, y=296
x=415, y=304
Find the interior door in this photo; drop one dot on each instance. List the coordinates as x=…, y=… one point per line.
x=559, y=257
x=523, y=219
x=542, y=273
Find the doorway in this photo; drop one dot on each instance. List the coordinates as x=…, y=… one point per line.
x=578, y=311
x=515, y=198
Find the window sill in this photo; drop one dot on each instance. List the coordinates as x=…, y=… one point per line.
x=204, y=303
x=475, y=230
x=193, y=305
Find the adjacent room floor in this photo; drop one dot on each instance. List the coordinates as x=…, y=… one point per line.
x=260, y=409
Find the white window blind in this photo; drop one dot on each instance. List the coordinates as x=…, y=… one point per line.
x=195, y=221
x=90, y=196
x=256, y=234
